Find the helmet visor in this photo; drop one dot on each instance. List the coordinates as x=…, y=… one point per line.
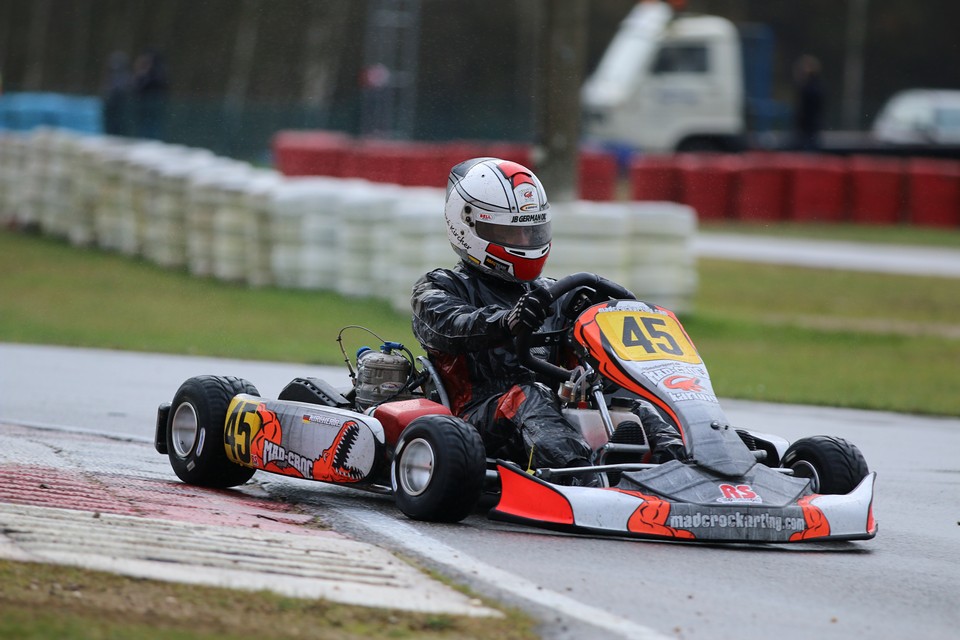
x=513, y=235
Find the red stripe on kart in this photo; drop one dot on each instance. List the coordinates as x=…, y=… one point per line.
x=525, y=497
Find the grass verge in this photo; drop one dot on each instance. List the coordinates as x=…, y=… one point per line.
x=785, y=334
x=49, y=602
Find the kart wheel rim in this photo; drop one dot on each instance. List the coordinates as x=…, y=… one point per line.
x=803, y=469
x=416, y=467
x=183, y=430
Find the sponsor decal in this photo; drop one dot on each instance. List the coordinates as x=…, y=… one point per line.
x=738, y=493
x=736, y=520
x=484, y=216
x=683, y=382
x=254, y=437
x=327, y=420
x=278, y=457
x=628, y=305
x=657, y=374
x=527, y=198
x=492, y=263
x=683, y=396
x=538, y=217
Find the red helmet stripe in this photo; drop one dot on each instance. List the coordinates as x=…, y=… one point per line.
x=517, y=174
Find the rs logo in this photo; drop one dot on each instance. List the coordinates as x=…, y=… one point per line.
x=738, y=493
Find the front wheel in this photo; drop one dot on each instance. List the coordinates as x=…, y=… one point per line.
x=833, y=465
x=438, y=469
x=195, y=445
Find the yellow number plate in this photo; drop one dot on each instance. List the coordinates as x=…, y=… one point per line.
x=637, y=336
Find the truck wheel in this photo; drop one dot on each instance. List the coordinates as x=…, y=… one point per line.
x=438, y=469
x=195, y=446
x=833, y=465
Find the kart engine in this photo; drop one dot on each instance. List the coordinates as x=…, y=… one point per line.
x=381, y=376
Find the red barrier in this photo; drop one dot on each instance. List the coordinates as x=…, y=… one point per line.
x=520, y=153
x=378, y=161
x=598, y=175
x=330, y=153
x=310, y=153
x=424, y=165
x=655, y=178
x=707, y=183
x=761, y=189
x=876, y=190
x=816, y=188
x=457, y=151
x=763, y=186
x=933, y=192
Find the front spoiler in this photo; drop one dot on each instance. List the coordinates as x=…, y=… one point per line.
x=528, y=500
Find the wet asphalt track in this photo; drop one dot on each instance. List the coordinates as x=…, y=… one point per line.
x=904, y=583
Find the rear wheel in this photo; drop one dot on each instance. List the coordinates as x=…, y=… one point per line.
x=832, y=464
x=195, y=445
x=438, y=469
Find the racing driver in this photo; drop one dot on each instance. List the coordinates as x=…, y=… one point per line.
x=498, y=222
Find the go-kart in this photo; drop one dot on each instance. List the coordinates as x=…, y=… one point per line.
x=393, y=431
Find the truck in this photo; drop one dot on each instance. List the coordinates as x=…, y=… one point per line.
x=675, y=81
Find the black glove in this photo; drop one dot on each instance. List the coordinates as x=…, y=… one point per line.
x=529, y=312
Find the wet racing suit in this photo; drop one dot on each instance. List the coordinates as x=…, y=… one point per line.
x=458, y=317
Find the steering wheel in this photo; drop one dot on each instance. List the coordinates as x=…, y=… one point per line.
x=525, y=340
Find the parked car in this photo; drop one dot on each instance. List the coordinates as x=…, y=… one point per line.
x=920, y=117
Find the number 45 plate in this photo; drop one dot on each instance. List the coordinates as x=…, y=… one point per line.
x=637, y=336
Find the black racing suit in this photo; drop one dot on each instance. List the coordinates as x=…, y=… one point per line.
x=458, y=318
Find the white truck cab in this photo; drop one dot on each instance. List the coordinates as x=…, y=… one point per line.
x=668, y=83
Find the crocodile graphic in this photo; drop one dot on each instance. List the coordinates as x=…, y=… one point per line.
x=333, y=464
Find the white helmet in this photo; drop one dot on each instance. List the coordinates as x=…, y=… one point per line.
x=498, y=218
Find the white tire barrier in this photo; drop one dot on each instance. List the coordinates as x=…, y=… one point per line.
x=186, y=208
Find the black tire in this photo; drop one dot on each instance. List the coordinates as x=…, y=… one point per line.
x=438, y=469
x=195, y=429
x=833, y=465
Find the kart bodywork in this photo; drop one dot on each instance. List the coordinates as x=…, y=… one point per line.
x=396, y=434
x=681, y=502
